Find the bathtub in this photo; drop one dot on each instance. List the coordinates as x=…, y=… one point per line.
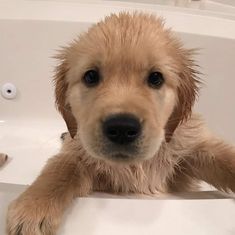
x=30, y=126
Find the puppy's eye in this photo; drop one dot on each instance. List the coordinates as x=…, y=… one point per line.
x=155, y=79
x=91, y=78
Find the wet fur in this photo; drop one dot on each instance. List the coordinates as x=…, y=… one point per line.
x=188, y=152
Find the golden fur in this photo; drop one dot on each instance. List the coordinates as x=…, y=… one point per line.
x=175, y=151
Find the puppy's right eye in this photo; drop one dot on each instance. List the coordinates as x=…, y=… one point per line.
x=155, y=79
x=91, y=78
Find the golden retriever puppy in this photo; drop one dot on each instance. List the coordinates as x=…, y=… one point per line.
x=125, y=89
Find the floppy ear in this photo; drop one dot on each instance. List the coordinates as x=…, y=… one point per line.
x=187, y=92
x=61, y=87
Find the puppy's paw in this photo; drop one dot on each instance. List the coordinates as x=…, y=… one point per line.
x=3, y=158
x=31, y=217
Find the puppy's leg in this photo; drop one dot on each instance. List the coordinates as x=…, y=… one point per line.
x=39, y=209
x=181, y=182
x=213, y=162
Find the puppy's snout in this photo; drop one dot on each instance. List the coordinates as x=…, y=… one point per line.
x=122, y=129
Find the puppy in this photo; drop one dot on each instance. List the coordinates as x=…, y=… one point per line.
x=125, y=89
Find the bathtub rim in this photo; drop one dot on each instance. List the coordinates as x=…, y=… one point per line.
x=201, y=22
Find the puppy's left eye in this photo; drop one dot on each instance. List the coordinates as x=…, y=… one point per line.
x=91, y=78
x=155, y=79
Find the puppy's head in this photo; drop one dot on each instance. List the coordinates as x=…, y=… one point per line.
x=124, y=86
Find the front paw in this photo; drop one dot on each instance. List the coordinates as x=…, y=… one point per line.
x=3, y=158
x=31, y=217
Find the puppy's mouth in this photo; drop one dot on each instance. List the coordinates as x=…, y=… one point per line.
x=120, y=153
x=137, y=151
x=121, y=138
x=120, y=157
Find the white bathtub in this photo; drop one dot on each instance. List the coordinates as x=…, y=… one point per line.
x=30, y=33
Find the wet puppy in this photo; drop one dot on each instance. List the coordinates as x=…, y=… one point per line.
x=125, y=89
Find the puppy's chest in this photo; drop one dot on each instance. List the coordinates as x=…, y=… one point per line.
x=147, y=178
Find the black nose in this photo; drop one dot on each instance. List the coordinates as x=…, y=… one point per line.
x=122, y=128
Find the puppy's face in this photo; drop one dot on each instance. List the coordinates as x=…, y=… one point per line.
x=123, y=87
